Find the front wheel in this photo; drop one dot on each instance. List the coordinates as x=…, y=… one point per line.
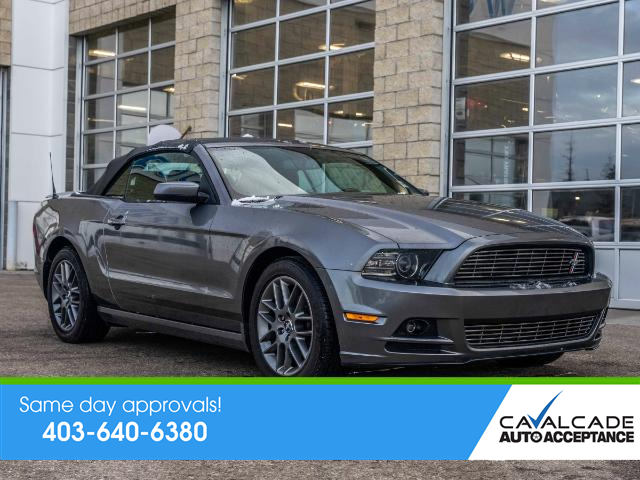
x=291, y=326
x=71, y=307
x=532, y=361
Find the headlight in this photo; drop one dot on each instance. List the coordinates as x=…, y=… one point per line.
x=398, y=265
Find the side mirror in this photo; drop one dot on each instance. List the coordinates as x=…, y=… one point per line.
x=184, y=192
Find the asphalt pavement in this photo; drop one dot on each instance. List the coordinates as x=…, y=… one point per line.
x=320, y=470
x=28, y=347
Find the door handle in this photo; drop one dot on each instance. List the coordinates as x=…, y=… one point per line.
x=117, y=222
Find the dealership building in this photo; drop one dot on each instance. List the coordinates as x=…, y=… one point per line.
x=533, y=104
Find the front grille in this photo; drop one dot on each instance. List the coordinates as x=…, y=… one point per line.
x=517, y=264
x=518, y=333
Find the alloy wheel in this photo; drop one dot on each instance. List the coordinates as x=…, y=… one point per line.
x=285, y=325
x=65, y=295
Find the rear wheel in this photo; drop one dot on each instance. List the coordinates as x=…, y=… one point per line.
x=71, y=307
x=291, y=327
x=532, y=361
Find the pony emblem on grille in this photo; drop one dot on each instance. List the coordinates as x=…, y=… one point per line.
x=573, y=263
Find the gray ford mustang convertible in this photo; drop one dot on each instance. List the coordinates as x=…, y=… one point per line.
x=311, y=257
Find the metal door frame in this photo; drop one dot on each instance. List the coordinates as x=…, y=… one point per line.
x=4, y=116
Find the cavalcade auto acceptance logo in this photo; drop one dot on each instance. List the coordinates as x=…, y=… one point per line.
x=545, y=427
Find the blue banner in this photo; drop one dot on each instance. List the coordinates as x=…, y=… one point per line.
x=253, y=422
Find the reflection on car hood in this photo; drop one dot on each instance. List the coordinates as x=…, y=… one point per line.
x=418, y=219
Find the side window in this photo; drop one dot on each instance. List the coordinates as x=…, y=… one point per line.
x=146, y=172
x=119, y=186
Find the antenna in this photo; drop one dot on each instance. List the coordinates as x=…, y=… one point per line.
x=53, y=183
x=186, y=132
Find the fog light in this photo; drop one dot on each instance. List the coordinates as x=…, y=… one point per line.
x=417, y=328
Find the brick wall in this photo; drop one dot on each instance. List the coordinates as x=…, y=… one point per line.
x=198, y=31
x=5, y=32
x=408, y=88
x=85, y=15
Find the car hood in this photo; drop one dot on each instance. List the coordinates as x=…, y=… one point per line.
x=425, y=220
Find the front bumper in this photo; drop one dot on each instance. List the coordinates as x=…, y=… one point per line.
x=375, y=344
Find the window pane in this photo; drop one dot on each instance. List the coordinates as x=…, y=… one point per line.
x=161, y=103
x=163, y=29
x=631, y=89
x=147, y=172
x=631, y=30
x=256, y=45
x=132, y=108
x=288, y=6
x=572, y=155
x=301, y=81
x=258, y=125
x=588, y=211
x=577, y=35
x=133, y=36
x=119, y=186
x=162, y=65
x=352, y=25
x=101, y=45
x=493, y=49
x=100, y=78
x=630, y=215
x=127, y=140
x=507, y=199
x=99, y=113
x=351, y=73
x=252, y=89
x=585, y=94
x=350, y=121
x=499, y=104
x=302, y=36
x=98, y=148
x=91, y=176
x=490, y=160
x=132, y=71
x=473, y=10
x=247, y=12
x=305, y=124
x=630, y=163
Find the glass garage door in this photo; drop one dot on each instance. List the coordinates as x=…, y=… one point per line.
x=546, y=116
x=127, y=89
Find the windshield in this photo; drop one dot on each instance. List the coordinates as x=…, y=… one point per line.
x=267, y=171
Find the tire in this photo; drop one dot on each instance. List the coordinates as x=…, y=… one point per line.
x=279, y=335
x=532, y=361
x=72, y=309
